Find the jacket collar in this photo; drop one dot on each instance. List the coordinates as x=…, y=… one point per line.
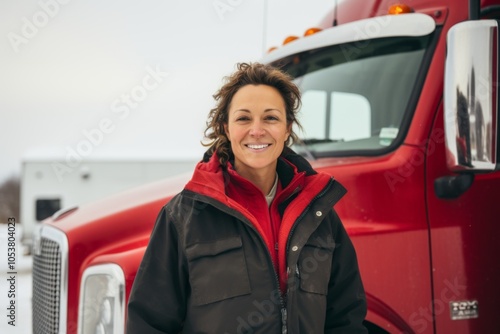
x=210, y=178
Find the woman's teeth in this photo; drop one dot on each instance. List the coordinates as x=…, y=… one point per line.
x=257, y=147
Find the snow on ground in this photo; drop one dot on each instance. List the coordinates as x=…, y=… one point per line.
x=17, y=295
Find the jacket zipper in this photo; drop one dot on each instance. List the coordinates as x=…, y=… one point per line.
x=284, y=313
x=276, y=279
x=231, y=211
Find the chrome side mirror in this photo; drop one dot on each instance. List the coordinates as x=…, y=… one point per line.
x=471, y=96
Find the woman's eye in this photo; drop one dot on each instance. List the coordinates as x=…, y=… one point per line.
x=243, y=118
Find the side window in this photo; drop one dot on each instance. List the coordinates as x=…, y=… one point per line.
x=47, y=207
x=336, y=116
x=350, y=117
x=313, y=114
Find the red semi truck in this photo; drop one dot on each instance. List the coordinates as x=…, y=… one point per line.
x=403, y=111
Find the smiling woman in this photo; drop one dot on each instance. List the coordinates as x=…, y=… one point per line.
x=252, y=244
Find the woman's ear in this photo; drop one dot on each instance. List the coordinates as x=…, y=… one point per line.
x=226, y=131
x=288, y=132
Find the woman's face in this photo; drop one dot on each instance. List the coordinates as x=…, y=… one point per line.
x=257, y=129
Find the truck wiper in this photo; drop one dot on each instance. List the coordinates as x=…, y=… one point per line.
x=307, y=152
x=305, y=144
x=311, y=141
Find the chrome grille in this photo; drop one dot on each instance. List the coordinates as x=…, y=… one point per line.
x=50, y=281
x=46, y=288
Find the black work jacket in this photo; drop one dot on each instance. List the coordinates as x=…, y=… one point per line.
x=207, y=269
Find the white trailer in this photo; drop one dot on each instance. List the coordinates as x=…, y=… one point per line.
x=50, y=183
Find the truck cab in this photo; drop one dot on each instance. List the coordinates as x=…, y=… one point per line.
x=403, y=111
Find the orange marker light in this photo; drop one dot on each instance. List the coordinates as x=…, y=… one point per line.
x=311, y=31
x=271, y=49
x=289, y=39
x=399, y=9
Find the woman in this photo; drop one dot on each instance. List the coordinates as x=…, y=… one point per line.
x=252, y=244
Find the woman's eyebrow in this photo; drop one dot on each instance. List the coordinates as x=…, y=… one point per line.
x=266, y=110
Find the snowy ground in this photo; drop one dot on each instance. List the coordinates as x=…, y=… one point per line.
x=19, y=294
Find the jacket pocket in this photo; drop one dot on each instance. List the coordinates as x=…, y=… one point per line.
x=217, y=270
x=314, y=267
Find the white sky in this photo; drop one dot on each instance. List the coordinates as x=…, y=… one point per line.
x=69, y=74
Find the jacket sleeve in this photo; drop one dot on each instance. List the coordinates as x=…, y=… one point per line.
x=346, y=303
x=157, y=302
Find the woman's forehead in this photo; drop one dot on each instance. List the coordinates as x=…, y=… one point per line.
x=258, y=96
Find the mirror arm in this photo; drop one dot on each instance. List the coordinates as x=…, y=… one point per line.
x=452, y=186
x=474, y=9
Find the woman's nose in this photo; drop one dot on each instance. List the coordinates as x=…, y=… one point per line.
x=257, y=130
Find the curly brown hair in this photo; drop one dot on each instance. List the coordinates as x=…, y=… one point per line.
x=249, y=74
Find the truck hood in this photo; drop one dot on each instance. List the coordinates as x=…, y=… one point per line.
x=118, y=220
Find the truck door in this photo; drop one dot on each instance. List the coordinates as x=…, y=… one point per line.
x=463, y=190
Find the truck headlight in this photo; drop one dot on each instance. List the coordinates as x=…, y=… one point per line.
x=102, y=300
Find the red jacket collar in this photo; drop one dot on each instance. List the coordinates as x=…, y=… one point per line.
x=209, y=179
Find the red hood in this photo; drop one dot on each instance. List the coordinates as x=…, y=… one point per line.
x=208, y=179
x=158, y=191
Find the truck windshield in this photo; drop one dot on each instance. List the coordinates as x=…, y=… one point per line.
x=355, y=96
